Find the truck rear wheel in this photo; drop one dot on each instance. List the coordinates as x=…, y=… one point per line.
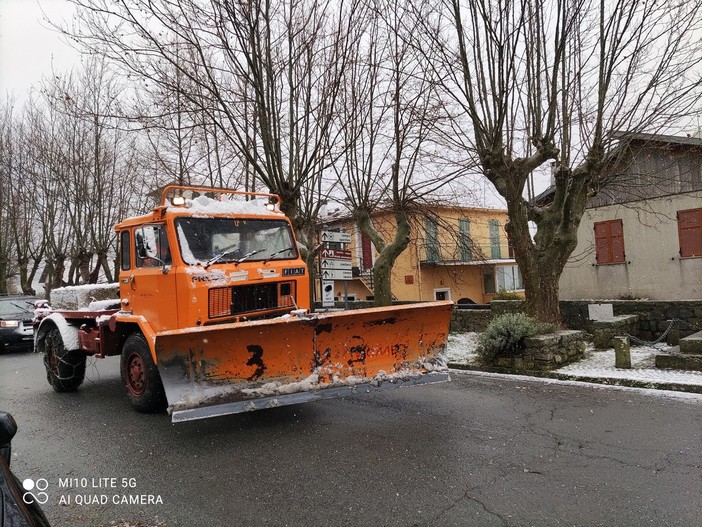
x=65, y=369
x=141, y=377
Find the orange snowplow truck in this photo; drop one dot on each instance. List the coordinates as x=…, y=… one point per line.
x=213, y=317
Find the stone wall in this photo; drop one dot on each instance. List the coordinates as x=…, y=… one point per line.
x=654, y=316
x=547, y=352
x=470, y=320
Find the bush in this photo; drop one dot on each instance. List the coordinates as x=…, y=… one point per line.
x=507, y=295
x=504, y=336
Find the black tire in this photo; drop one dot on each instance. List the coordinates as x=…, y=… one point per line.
x=65, y=369
x=141, y=377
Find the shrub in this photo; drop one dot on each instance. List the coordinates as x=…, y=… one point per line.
x=504, y=336
x=507, y=295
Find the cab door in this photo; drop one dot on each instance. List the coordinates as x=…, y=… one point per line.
x=148, y=282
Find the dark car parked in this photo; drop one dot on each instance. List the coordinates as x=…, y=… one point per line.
x=16, y=314
x=18, y=506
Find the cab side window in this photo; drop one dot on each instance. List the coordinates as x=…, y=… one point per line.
x=125, y=251
x=151, y=244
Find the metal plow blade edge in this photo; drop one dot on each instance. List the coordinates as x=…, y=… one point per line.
x=232, y=368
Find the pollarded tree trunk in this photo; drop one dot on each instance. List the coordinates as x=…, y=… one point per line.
x=387, y=253
x=541, y=260
x=541, y=287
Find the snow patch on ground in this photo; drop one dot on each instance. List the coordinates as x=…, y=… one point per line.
x=462, y=350
x=600, y=363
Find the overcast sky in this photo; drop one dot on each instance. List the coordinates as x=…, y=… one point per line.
x=28, y=48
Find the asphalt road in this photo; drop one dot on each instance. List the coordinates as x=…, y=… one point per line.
x=481, y=450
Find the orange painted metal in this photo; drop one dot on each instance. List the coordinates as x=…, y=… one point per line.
x=244, y=361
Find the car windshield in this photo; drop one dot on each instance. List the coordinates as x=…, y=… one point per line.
x=13, y=306
x=210, y=240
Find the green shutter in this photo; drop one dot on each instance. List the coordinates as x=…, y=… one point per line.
x=495, y=251
x=464, y=242
x=432, y=241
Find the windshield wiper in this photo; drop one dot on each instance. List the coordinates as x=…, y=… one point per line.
x=277, y=253
x=246, y=257
x=217, y=258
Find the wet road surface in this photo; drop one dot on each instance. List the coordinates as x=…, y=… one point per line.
x=480, y=450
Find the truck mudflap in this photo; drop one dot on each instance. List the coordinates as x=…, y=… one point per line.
x=239, y=367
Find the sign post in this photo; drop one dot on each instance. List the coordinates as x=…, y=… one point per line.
x=327, y=293
x=335, y=264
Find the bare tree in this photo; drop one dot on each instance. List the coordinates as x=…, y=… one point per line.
x=557, y=82
x=6, y=182
x=266, y=75
x=388, y=117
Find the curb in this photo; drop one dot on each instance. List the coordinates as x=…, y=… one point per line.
x=609, y=381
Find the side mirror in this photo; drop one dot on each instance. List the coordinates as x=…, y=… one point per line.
x=8, y=429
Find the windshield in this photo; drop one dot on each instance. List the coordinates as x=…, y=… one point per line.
x=15, y=306
x=210, y=240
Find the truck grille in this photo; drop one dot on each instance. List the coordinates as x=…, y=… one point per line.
x=251, y=298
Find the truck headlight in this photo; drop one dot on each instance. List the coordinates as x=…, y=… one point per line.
x=9, y=323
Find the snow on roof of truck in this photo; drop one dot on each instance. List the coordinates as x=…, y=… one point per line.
x=206, y=205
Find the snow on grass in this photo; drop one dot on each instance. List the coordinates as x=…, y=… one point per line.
x=600, y=363
x=461, y=350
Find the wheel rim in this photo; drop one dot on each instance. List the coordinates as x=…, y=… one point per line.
x=136, y=374
x=51, y=348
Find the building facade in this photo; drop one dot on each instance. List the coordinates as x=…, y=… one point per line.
x=454, y=253
x=641, y=235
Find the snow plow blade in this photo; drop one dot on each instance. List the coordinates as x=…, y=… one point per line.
x=244, y=366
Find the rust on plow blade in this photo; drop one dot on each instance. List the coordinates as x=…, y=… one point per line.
x=244, y=366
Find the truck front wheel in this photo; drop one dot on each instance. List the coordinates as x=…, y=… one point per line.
x=141, y=377
x=65, y=369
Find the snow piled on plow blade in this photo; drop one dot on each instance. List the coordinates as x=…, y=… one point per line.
x=239, y=367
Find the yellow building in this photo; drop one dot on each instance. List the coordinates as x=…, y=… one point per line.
x=454, y=253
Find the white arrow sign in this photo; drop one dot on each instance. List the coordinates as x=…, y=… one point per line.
x=336, y=274
x=336, y=237
x=330, y=263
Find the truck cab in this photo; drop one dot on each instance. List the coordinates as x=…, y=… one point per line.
x=210, y=262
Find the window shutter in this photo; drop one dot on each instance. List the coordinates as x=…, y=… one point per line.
x=690, y=232
x=609, y=242
x=616, y=234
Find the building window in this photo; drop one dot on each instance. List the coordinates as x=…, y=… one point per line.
x=609, y=242
x=442, y=294
x=502, y=278
x=432, y=240
x=465, y=244
x=508, y=278
x=495, y=251
x=690, y=232
x=489, y=280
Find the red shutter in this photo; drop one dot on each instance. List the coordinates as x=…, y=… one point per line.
x=616, y=233
x=690, y=232
x=367, y=252
x=609, y=242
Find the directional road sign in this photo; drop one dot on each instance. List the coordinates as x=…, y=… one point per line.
x=339, y=254
x=336, y=237
x=331, y=263
x=336, y=274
